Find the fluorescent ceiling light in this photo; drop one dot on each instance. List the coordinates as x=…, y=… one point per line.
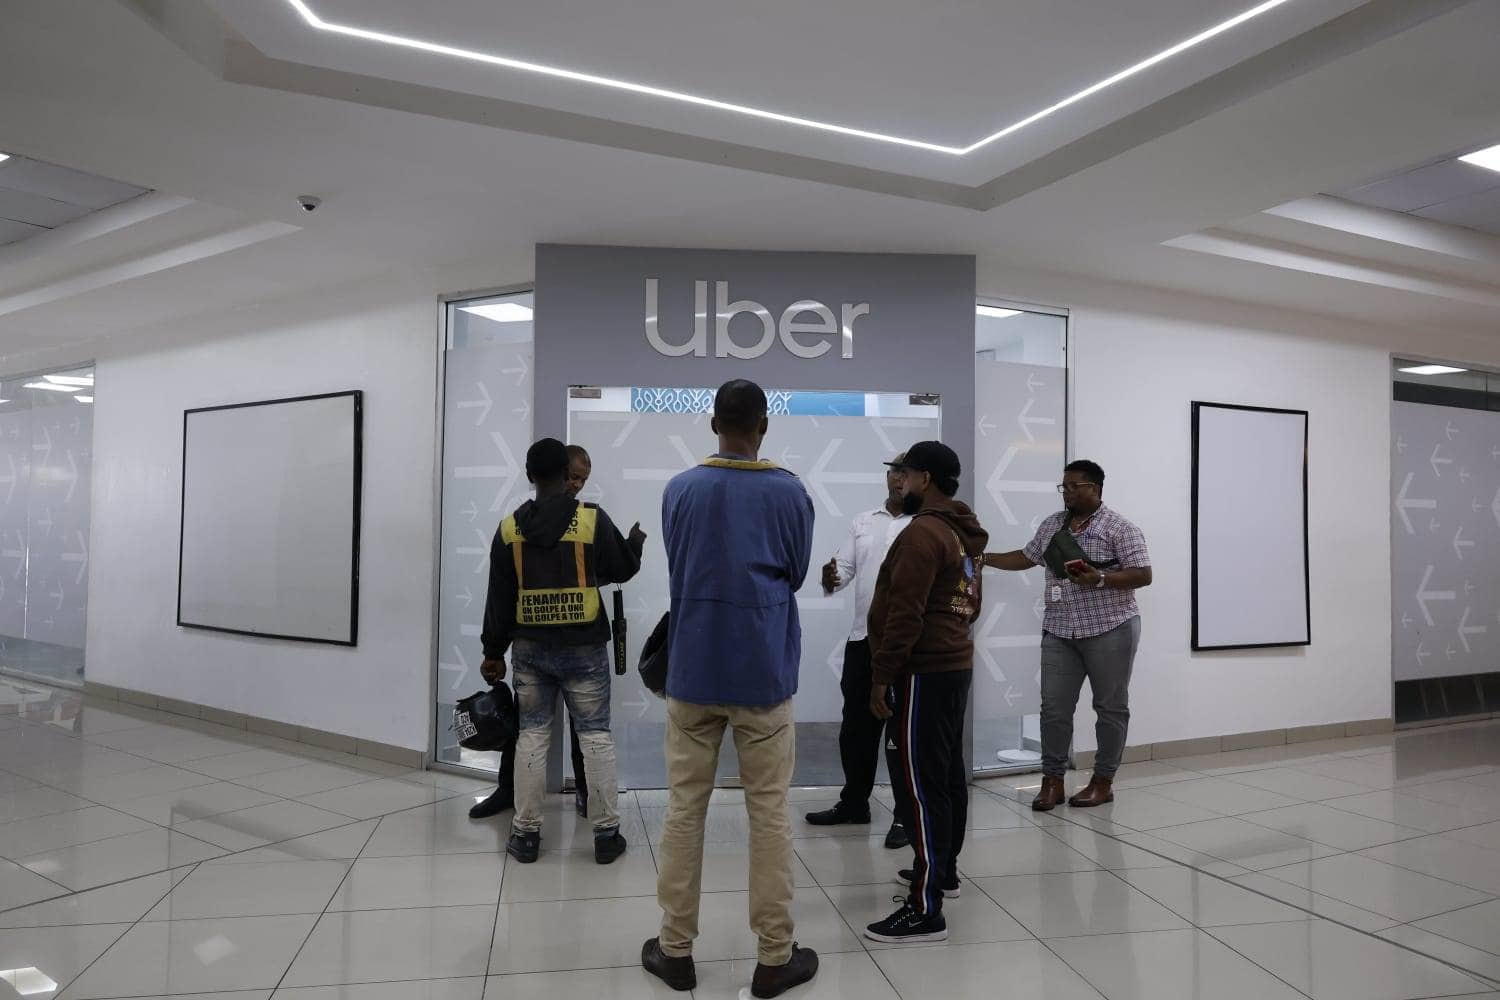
x=29, y=981
x=1487, y=158
x=402, y=41
x=995, y=312
x=53, y=386
x=81, y=399
x=4, y=157
x=501, y=312
x=1432, y=370
x=77, y=380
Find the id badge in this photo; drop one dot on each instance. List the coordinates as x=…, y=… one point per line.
x=1055, y=594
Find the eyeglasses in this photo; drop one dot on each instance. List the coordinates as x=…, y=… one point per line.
x=1074, y=487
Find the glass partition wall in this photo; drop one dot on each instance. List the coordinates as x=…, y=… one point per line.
x=640, y=436
x=46, y=449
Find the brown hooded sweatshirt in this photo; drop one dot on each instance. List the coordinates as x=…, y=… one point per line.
x=928, y=594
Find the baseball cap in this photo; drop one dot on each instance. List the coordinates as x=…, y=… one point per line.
x=932, y=457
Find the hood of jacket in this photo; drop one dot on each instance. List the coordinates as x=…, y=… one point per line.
x=962, y=520
x=543, y=522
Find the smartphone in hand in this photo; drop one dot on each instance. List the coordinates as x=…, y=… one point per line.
x=1076, y=566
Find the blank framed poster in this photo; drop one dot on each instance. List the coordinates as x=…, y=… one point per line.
x=1250, y=562
x=270, y=518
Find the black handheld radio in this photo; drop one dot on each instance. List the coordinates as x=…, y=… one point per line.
x=617, y=630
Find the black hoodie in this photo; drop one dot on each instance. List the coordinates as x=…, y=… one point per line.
x=544, y=522
x=928, y=594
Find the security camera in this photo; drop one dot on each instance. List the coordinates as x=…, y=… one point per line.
x=308, y=203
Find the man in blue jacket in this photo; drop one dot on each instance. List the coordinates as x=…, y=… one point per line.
x=738, y=534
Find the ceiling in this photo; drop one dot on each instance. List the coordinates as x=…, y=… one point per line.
x=1199, y=174
x=36, y=197
x=1446, y=189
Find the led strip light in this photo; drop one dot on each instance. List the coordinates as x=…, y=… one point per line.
x=401, y=41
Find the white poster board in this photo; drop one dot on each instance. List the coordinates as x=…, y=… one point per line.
x=270, y=518
x=1250, y=546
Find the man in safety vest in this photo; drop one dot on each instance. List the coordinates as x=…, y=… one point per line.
x=547, y=563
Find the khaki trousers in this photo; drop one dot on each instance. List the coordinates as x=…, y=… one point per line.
x=765, y=740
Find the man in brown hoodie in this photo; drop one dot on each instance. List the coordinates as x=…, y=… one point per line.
x=922, y=660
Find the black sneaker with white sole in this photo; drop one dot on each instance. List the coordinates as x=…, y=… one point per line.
x=905, y=876
x=907, y=926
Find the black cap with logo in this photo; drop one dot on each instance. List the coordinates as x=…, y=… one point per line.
x=932, y=457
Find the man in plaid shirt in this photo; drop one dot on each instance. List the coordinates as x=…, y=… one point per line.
x=1096, y=560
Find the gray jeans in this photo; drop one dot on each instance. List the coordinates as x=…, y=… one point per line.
x=1106, y=661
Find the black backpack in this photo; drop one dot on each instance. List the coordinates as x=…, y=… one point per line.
x=487, y=720
x=653, y=666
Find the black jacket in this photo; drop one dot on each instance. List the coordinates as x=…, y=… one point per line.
x=544, y=522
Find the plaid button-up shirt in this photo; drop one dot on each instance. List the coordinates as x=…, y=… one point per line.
x=1084, y=612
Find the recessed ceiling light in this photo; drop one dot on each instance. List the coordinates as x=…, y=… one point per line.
x=402, y=41
x=1487, y=158
x=995, y=312
x=29, y=981
x=81, y=399
x=501, y=312
x=1432, y=370
x=4, y=157
x=52, y=386
x=74, y=380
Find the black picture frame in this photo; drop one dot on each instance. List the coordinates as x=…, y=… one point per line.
x=1197, y=645
x=357, y=396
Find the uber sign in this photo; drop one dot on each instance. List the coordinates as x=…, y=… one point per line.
x=806, y=328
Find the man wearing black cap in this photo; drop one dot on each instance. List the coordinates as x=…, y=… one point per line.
x=547, y=563
x=926, y=597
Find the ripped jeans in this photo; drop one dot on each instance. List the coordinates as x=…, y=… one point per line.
x=540, y=671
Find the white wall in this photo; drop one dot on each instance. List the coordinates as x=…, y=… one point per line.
x=1139, y=359
x=379, y=337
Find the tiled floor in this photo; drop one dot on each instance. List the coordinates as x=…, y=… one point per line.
x=143, y=855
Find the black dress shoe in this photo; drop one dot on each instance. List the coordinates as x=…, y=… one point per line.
x=608, y=846
x=841, y=814
x=677, y=973
x=897, y=837
x=524, y=847
x=501, y=801
x=774, y=980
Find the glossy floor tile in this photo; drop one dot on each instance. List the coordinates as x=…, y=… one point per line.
x=155, y=856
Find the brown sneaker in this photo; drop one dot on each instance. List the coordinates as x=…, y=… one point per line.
x=774, y=980
x=1099, y=791
x=678, y=973
x=1051, y=796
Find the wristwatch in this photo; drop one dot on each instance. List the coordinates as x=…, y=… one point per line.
x=1100, y=584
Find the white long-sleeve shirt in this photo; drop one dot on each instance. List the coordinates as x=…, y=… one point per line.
x=859, y=559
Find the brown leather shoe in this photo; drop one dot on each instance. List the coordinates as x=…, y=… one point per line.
x=1051, y=796
x=1099, y=791
x=774, y=980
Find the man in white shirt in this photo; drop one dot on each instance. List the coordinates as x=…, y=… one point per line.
x=860, y=733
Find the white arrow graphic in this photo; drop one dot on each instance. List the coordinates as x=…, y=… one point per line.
x=459, y=670
x=788, y=457
x=9, y=480
x=523, y=411
x=72, y=477
x=1433, y=526
x=1011, y=695
x=597, y=417
x=471, y=511
x=1465, y=630
x=1451, y=431
x=1422, y=655
x=1463, y=474
x=46, y=521
x=662, y=475
x=1495, y=452
x=1476, y=506
x=81, y=557
x=1469, y=587
x=1424, y=595
x=1039, y=608
x=1025, y=420
x=519, y=370
x=1403, y=504
x=1459, y=543
x=18, y=554
x=820, y=477
x=1400, y=445
x=1033, y=383
x=482, y=550
x=880, y=425
x=60, y=595
x=470, y=631
x=984, y=426
x=1451, y=651
x=482, y=404
x=45, y=447
x=1406, y=621
x=985, y=642
x=467, y=597
x=1495, y=507
x=998, y=485
x=643, y=705
x=1435, y=461
x=507, y=472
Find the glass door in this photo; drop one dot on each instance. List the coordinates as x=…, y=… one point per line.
x=638, y=438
